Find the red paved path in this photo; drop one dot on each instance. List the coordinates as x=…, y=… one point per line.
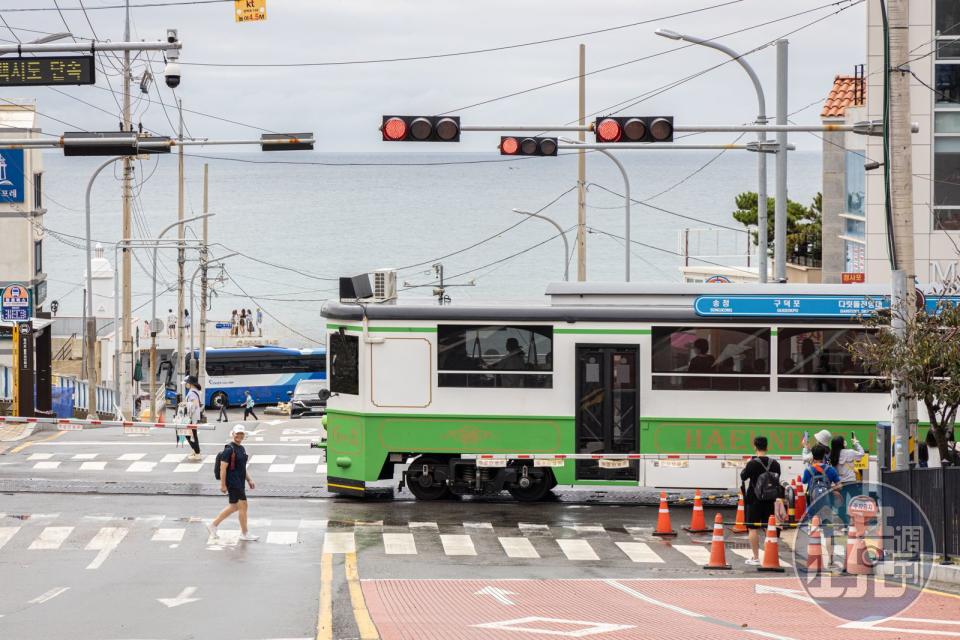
x=636, y=609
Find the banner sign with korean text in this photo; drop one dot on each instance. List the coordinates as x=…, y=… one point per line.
x=11, y=175
x=61, y=70
x=796, y=306
x=15, y=304
x=250, y=10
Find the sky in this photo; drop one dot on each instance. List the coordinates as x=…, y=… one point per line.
x=343, y=104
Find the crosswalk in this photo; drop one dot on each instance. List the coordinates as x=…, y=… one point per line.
x=624, y=545
x=139, y=463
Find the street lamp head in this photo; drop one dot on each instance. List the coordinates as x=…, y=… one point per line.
x=667, y=33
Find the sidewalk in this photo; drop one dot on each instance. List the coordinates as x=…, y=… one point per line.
x=14, y=432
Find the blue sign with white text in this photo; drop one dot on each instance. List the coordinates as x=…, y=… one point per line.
x=11, y=175
x=797, y=306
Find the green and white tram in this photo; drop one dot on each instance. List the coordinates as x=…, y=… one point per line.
x=655, y=386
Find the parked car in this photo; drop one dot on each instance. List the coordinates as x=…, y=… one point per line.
x=305, y=399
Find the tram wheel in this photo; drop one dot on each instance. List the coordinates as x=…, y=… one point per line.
x=429, y=486
x=536, y=491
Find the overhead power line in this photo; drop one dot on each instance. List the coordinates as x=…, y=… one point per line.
x=144, y=5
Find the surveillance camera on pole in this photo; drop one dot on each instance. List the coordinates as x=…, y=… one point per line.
x=172, y=71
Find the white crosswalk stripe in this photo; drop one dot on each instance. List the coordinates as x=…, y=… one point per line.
x=457, y=545
x=518, y=548
x=93, y=466
x=399, y=544
x=142, y=467
x=282, y=537
x=639, y=552
x=529, y=528
x=39, y=456
x=339, y=542
x=6, y=533
x=51, y=538
x=84, y=456
x=281, y=468
x=169, y=535
x=577, y=549
x=699, y=554
x=746, y=553
x=106, y=540
x=47, y=464
x=187, y=467
x=423, y=525
x=131, y=457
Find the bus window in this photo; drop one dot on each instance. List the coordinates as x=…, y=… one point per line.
x=344, y=364
x=819, y=360
x=482, y=355
x=711, y=358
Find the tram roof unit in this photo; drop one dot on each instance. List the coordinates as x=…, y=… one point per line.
x=573, y=302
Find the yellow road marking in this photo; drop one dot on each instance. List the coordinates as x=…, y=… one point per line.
x=368, y=631
x=23, y=446
x=325, y=617
x=344, y=486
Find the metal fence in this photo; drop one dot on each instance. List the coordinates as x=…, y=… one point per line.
x=936, y=491
x=66, y=389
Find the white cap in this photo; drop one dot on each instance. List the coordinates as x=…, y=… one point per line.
x=237, y=429
x=823, y=437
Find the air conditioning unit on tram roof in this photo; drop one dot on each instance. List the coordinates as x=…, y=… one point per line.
x=384, y=285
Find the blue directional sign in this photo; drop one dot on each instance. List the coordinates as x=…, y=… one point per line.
x=224, y=325
x=802, y=306
x=11, y=175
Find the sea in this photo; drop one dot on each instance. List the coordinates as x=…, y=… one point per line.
x=300, y=220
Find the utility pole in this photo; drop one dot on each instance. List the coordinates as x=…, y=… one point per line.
x=181, y=260
x=202, y=373
x=903, y=276
x=126, y=359
x=780, y=208
x=582, y=174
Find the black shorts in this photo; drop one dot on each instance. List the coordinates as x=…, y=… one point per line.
x=236, y=494
x=758, y=514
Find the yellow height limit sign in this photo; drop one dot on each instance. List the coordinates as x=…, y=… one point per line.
x=250, y=10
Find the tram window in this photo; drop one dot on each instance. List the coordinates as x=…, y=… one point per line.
x=492, y=349
x=819, y=360
x=344, y=364
x=728, y=358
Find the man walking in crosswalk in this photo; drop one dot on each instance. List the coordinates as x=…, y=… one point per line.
x=233, y=475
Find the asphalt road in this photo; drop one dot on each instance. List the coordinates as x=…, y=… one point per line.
x=138, y=564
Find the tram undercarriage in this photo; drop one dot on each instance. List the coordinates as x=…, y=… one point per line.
x=432, y=477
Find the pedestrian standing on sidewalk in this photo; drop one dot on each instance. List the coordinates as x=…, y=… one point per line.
x=234, y=327
x=186, y=318
x=259, y=321
x=194, y=415
x=760, y=496
x=233, y=475
x=249, y=322
x=248, y=405
x=171, y=324
x=243, y=321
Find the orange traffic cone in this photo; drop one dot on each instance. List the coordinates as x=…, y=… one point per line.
x=697, y=523
x=740, y=523
x=791, y=504
x=718, y=552
x=857, y=552
x=801, y=501
x=814, y=550
x=771, y=548
x=663, y=518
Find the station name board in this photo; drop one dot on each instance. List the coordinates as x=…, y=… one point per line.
x=22, y=72
x=805, y=306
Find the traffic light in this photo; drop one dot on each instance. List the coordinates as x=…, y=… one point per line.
x=421, y=128
x=633, y=129
x=534, y=146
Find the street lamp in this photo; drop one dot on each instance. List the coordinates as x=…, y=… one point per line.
x=761, y=138
x=153, y=316
x=563, y=234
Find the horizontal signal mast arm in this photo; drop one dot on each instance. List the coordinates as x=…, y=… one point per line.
x=92, y=47
x=865, y=128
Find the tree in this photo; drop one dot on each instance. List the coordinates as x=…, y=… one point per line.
x=926, y=358
x=804, y=224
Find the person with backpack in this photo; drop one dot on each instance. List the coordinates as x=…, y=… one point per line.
x=760, y=496
x=193, y=415
x=821, y=481
x=230, y=468
x=248, y=405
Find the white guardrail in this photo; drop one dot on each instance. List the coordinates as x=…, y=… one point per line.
x=129, y=427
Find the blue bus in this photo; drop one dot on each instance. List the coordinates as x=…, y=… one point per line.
x=268, y=373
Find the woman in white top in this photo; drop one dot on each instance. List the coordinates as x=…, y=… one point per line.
x=194, y=414
x=842, y=459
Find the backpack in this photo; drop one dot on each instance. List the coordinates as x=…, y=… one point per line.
x=766, y=487
x=819, y=483
x=221, y=458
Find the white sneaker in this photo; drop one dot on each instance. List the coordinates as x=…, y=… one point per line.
x=753, y=562
x=249, y=537
x=196, y=456
x=213, y=531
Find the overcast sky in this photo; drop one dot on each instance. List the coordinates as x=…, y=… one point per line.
x=343, y=104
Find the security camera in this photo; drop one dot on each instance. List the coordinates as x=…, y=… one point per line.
x=172, y=74
x=171, y=35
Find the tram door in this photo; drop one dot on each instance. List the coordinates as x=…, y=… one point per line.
x=608, y=403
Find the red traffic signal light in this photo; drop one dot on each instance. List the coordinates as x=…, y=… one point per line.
x=634, y=129
x=421, y=128
x=530, y=146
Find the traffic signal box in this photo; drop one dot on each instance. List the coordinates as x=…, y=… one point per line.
x=634, y=129
x=421, y=128
x=530, y=146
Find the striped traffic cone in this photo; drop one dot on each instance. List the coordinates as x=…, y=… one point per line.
x=792, y=502
x=740, y=522
x=697, y=523
x=857, y=552
x=718, y=551
x=814, y=550
x=801, y=501
x=771, y=549
x=663, y=518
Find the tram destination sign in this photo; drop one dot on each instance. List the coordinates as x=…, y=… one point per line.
x=803, y=306
x=22, y=72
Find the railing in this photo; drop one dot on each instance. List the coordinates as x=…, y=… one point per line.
x=66, y=350
x=936, y=491
x=6, y=383
x=106, y=397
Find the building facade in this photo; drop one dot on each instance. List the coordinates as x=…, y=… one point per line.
x=935, y=105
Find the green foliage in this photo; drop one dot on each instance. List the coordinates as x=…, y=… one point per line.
x=804, y=224
x=926, y=358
